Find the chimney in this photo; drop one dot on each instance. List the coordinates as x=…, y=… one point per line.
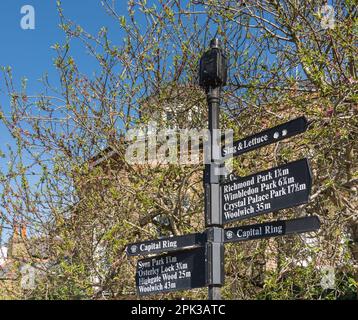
x=15, y=232
x=23, y=231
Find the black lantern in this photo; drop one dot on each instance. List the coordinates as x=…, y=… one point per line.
x=213, y=67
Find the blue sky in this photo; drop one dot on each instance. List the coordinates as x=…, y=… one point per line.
x=29, y=52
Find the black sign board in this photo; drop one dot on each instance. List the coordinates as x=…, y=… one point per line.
x=166, y=244
x=275, y=134
x=171, y=272
x=272, y=229
x=278, y=188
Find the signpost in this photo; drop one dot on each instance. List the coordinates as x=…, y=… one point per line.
x=171, y=272
x=272, y=229
x=269, y=136
x=267, y=191
x=197, y=260
x=212, y=77
x=166, y=244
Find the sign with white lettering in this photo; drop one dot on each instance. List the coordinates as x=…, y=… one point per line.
x=278, y=188
x=275, y=134
x=178, y=271
x=166, y=244
x=272, y=229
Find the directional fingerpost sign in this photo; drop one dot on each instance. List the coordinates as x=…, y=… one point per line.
x=274, y=189
x=178, y=271
x=275, y=134
x=272, y=229
x=197, y=260
x=166, y=244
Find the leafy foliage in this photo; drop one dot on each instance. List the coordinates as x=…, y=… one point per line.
x=282, y=65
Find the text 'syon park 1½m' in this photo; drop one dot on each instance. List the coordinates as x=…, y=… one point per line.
x=197, y=260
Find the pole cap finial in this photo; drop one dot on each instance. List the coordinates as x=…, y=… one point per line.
x=215, y=43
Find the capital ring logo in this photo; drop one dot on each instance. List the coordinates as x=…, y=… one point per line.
x=229, y=235
x=134, y=249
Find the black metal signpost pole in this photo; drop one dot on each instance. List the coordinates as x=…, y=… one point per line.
x=213, y=73
x=214, y=225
